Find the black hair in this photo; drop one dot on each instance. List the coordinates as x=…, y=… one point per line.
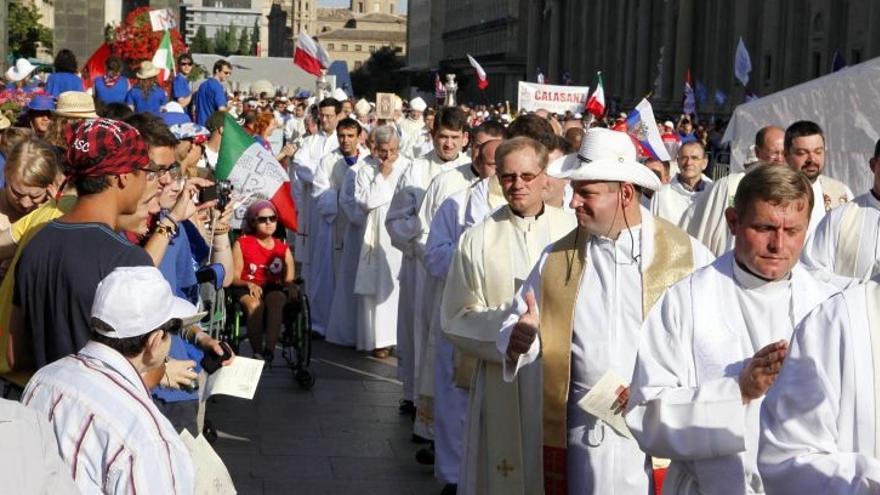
x=129, y=346
x=184, y=57
x=801, y=128
x=116, y=111
x=113, y=64
x=65, y=61
x=529, y=125
x=220, y=64
x=86, y=186
x=877, y=149
x=492, y=128
x=452, y=119
x=349, y=123
x=153, y=129
x=215, y=121
x=331, y=102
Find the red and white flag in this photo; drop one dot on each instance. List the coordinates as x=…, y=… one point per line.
x=309, y=55
x=483, y=81
x=596, y=103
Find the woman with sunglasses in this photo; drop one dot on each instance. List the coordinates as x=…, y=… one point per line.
x=263, y=269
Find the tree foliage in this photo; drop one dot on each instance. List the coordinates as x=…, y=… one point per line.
x=255, y=38
x=379, y=74
x=26, y=31
x=226, y=41
x=244, y=43
x=200, y=42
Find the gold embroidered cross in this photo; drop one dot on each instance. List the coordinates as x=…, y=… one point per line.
x=504, y=467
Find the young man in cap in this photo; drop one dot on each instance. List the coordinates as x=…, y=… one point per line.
x=107, y=428
x=579, y=315
x=56, y=276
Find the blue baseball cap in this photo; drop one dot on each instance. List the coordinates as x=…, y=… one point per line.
x=41, y=103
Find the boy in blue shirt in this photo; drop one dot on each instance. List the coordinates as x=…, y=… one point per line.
x=211, y=95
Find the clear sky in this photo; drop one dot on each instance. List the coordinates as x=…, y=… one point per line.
x=346, y=3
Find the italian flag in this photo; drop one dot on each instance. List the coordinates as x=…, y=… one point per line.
x=164, y=57
x=254, y=173
x=596, y=103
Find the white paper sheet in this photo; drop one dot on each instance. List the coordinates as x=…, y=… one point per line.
x=239, y=379
x=600, y=402
x=212, y=477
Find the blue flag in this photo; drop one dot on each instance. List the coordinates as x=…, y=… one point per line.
x=742, y=65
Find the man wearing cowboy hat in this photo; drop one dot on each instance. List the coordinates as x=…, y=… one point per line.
x=19, y=76
x=105, y=423
x=579, y=314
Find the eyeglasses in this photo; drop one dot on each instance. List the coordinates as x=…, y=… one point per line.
x=227, y=72
x=269, y=219
x=186, y=64
x=509, y=179
x=154, y=172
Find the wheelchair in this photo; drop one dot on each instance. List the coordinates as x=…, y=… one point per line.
x=295, y=337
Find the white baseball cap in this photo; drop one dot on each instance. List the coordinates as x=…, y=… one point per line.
x=135, y=300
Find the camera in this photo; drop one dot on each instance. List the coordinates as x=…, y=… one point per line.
x=221, y=191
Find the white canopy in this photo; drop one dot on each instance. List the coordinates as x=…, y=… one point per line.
x=845, y=103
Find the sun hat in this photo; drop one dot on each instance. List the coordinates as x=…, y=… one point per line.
x=135, y=300
x=189, y=130
x=147, y=70
x=20, y=70
x=606, y=156
x=41, y=103
x=99, y=147
x=5, y=123
x=76, y=104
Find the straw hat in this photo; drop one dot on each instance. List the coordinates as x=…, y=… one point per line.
x=76, y=104
x=606, y=156
x=4, y=122
x=147, y=70
x=21, y=70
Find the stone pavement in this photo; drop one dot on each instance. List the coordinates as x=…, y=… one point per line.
x=345, y=436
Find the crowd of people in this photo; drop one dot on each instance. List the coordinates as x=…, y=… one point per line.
x=568, y=314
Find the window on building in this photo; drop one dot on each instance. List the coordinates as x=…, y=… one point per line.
x=391, y=9
x=855, y=57
x=768, y=68
x=817, y=64
x=372, y=48
x=344, y=48
x=358, y=64
x=331, y=46
x=360, y=7
x=358, y=48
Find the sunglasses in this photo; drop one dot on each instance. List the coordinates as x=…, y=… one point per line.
x=186, y=64
x=511, y=178
x=269, y=219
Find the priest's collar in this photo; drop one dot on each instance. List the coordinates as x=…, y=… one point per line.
x=750, y=280
x=517, y=216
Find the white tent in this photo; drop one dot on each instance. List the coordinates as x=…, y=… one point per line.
x=845, y=103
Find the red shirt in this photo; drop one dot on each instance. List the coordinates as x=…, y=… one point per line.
x=262, y=265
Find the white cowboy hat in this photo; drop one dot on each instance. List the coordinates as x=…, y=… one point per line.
x=21, y=70
x=147, y=70
x=606, y=156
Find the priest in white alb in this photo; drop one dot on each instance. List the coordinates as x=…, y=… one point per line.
x=578, y=317
x=673, y=199
x=820, y=422
x=452, y=372
x=712, y=346
x=329, y=228
x=335, y=231
x=305, y=164
x=404, y=228
x=491, y=261
x=411, y=127
x=847, y=241
x=376, y=283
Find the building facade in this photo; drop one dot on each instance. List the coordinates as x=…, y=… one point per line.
x=215, y=15
x=361, y=35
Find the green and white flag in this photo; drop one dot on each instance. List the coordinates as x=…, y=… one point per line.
x=254, y=173
x=164, y=57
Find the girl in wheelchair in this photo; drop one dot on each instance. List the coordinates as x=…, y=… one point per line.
x=263, y=277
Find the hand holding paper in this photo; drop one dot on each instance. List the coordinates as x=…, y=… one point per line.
x=607, y=401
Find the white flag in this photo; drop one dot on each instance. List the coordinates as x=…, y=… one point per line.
x=743, y=63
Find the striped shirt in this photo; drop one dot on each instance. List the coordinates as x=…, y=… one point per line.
x=109, y=432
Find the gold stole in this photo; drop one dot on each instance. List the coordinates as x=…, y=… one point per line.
x=560, y=279
x=849, y=241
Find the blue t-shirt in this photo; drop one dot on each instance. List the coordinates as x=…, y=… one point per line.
x=60, y=82
x=179, y=266
x=151, y=103
x=180, y=87
x=209, y=98
x=687, y=138
x=111, y=94
x=27, y=88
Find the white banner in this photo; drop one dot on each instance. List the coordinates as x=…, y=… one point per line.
x=555, y=99
x=163, y=19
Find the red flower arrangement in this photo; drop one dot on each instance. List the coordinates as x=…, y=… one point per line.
x=134, y=40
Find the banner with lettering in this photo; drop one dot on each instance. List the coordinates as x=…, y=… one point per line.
x=555, y=99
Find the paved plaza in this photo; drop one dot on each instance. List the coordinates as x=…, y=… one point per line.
x=345, y=436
